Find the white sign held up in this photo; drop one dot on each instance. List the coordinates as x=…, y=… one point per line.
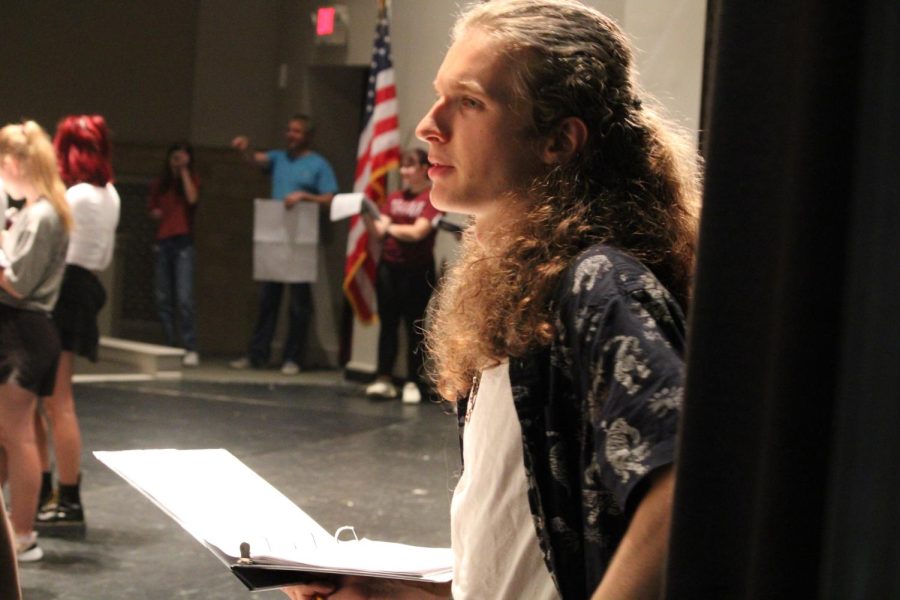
x=285, y=241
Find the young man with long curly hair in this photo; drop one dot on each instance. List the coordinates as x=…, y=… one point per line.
x=559, y=333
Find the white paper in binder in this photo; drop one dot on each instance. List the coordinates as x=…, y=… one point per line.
x=263, y=537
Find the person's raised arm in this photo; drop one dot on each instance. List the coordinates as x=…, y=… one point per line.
x=637, y=568
x=190, y=188
x=241, y=143
x=187, y=180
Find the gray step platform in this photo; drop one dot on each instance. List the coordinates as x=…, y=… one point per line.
x=130, y=360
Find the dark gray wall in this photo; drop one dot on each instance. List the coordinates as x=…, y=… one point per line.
x=235, y=79
x=131, y=61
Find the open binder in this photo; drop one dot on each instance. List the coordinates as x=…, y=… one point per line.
x=256, y=531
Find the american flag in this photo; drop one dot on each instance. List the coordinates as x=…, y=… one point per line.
x=377, y=154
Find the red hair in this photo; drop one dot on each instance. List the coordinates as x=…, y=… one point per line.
x=82, y=150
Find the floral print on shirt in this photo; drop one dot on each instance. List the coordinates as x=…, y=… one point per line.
x=599, y=410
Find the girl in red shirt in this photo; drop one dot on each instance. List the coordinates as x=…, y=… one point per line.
x=173, y=200
x=405, y=274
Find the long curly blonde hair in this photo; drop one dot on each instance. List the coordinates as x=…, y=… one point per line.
x=30, y=145
x=634, y=185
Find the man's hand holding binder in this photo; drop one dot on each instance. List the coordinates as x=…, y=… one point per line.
x=354, y=587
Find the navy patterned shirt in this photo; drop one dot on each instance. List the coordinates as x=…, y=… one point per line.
x=598, y=410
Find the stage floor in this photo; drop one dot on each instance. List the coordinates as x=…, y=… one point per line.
x=386, y=468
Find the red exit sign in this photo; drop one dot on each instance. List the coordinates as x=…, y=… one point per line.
x=325, y=20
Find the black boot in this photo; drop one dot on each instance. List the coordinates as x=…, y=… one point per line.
x=66, y=517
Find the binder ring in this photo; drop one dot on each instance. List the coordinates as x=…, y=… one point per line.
x=337, y=534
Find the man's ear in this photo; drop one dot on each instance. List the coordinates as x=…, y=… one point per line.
x=569, y=138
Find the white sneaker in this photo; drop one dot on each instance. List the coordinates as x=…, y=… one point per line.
x=27, y=549
x=241, y=363
x=191, y=359
x=411, y=394
x=382, y=389
x=290, y=368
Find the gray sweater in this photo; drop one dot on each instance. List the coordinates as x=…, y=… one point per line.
x=34, y=257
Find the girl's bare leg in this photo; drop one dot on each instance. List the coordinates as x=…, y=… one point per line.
x=60, y=408
x=17, y=407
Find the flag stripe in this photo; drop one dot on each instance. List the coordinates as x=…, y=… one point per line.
x=387, y=126
x=377, y=153
x=385, y=94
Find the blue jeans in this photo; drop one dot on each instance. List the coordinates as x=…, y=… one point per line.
x=299, y=311
x=175, y=289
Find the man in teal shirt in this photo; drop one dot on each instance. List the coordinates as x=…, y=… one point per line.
x=298, y=175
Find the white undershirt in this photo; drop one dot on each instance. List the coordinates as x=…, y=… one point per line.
x=495, y=546
x=95, y=211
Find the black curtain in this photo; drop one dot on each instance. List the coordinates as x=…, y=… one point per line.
x=789, y=461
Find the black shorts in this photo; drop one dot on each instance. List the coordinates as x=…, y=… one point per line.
x=80, y=299
x=29, y=350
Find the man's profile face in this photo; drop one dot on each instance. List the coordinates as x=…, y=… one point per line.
x=477, y=142
x=297, y=135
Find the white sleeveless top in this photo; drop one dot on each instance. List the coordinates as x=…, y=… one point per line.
x=95, y=211
x=495, y=546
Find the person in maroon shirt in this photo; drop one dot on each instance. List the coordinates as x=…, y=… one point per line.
x=405, y=274
x=173, y=199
